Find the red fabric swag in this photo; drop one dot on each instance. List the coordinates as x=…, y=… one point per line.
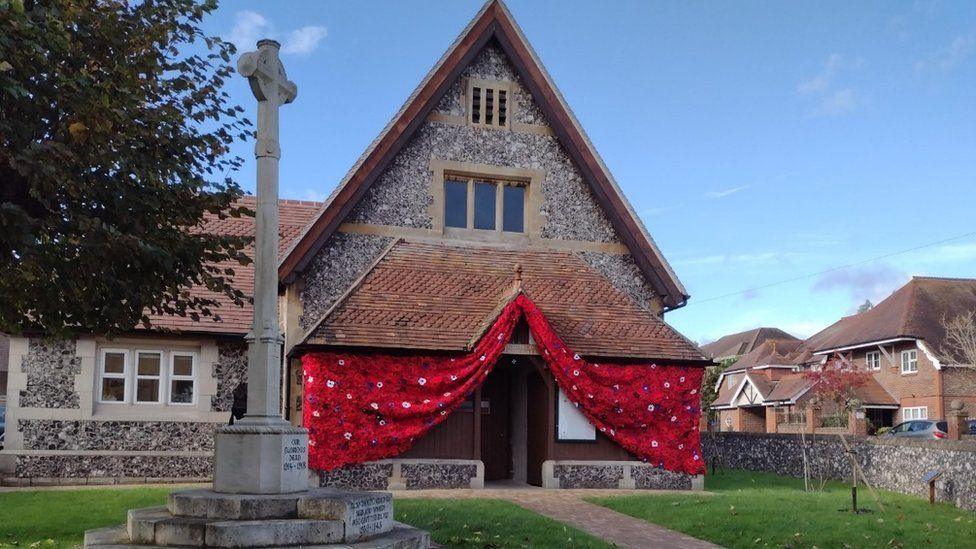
x=366, y=406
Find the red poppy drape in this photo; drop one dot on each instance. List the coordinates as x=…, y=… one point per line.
x=365, y=406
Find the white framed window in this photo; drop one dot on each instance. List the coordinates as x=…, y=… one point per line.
x=149, y=376
x=182, y=378
x=731, y=382
x=909, y=361
x=113, y=375
x=872, y=360
x=145, y=376
x=914, y=412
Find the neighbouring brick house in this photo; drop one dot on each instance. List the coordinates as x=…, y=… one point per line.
x=735, y=345
x=483, y=169
x=142, y=404
x=899, y=342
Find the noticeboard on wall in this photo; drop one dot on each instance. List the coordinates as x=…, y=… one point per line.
x=571, y=424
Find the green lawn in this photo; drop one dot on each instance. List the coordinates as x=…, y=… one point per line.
x=59, y=519
x=762, y=510
x=486, y=523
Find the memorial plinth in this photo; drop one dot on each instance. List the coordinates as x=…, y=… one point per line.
x=321, y=517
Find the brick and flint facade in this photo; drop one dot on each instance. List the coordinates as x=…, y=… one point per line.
x=483, y=168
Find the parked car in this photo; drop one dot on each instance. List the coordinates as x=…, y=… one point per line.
x=920, y=428
x=972, y=426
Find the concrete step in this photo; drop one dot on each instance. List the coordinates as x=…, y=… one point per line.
x=364, y=514
x=156, y=525
x=401, y=536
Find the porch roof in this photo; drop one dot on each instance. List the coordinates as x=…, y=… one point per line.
x=435, y=296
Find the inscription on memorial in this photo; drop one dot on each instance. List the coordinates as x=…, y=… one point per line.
x=370, y=515
x=294, y=454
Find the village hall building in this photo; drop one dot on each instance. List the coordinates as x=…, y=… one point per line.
x=480, y=231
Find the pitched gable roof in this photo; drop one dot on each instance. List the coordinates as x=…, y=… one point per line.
x=434, y=296
x=913, y=311
x=492, y=23
x=777, y=352
x=744, y=342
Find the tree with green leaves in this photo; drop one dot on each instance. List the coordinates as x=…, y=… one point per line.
x=114, y=146
x=708, y=390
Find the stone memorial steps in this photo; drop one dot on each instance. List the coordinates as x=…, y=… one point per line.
x=320, y=517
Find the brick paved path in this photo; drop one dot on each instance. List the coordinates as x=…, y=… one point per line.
x=567, y=506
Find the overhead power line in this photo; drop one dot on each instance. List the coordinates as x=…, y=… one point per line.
x=840, y=268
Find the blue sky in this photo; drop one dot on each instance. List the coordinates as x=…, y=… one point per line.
x=760, y=142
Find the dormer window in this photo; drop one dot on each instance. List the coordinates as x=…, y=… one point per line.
x=489, y=103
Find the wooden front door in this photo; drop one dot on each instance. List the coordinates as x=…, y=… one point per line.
x=496, y=444
x=537, y=427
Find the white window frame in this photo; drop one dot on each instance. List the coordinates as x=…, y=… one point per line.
x=731, y=381
x=124, y=376
x=909, y=358
x=913, y=413
x=171, y=377
x=872, y=360
x=136, y=376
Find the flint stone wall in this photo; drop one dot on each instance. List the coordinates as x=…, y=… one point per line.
x=116, y=467
x=161, y=436
x=413, y=475
x=611, y=475
x=51, y=367
x=230, y=370
x=888, y=463
x=401, y=195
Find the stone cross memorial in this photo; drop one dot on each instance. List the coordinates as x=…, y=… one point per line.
x=260, y=495
x=263, y=453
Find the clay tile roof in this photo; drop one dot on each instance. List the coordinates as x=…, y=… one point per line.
x=440, y=297
x=788, y=387
x=915, y=310
x=872, y=392
x=779, y=352
x=293, y=216
x=743, y=342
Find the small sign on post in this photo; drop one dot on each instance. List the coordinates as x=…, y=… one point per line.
x=930, y=478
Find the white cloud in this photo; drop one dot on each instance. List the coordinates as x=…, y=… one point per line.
x=833, y=100
x=872, y=281
x=837, y=103
x=303, y=41
x=250, y=26
x=725, y=192
x=953, y=55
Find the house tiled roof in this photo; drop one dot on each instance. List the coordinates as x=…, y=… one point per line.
x=915, y=310
x=788, y=387
x=293, y=216
x=743, y=342
x=441, y=297
x=779, y=352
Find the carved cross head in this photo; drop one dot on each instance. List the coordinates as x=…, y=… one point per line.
x=266, y=74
